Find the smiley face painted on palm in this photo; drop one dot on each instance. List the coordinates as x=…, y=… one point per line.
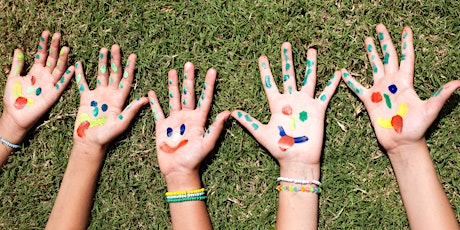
x=396, y=121
x=175, y=137
x=286, y=141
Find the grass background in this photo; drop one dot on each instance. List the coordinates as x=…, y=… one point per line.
x=360, y=187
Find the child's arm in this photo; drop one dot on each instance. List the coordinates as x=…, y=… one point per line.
x=100, y=119
x=182, y=143
x=294, y=136
x=28, y=97
x=400, y=120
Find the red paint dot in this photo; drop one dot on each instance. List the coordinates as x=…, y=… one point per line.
x=82, y=127
x=397, y=123
x=287, y=110
x=20, y=102
x=33, y=80
x=285, y=142
x=376, y=97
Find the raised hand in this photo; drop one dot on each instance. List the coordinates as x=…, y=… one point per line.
x=28, y=97
x=296, y=127
x=397, y=114
x=101, y=117
x=181, y=139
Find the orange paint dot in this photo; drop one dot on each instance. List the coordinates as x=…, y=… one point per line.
x=33, y=80
x=287, y=110
x=82, y=127
x=285, y=142
x=397, y=123
x=20, y=102
x=376, y=97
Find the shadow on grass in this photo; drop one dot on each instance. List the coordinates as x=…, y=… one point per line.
x=447, y=109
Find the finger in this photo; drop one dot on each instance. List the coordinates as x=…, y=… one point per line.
x=128, y=75
x=407, y=53
x=42, y=54
x=188, y=87
x=331, y=85
x=64, y=80
x=213, y=132
x=102, y=67
x=437, y=100
x=61, y=63
x=173, y=85
x=376, y=63
x=288, y=68
x=250, y=123
x=155, y=106
x=354, y=85
x=80, y=79
x=271, y=90
x=127, y=115
x=18, y=63
x=309, y=81
x=53, y=51
x=204, y=103
x=115, y=66
x=390, y=58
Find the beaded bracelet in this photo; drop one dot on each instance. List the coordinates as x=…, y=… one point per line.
x=9, y=144
x=297, y=189
x=184, y=192
x=186, y=195
x=298, y=181
x=176, y=200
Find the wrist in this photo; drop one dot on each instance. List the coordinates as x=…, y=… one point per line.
x=300, y=170
x=10, y=131
x=408, y=151
x=179, y=181
x=93, y=153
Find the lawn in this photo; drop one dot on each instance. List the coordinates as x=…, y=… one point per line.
x=360, y=189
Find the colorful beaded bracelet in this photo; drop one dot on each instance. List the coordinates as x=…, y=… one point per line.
x=298, y=181
x=176, y=200
x=184, y=192
x=9, y=144
x=186, y=195
x=297, y=189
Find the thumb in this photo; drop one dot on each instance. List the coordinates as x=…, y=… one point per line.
x=437, y=100
x=212, y=133
x=250, y=123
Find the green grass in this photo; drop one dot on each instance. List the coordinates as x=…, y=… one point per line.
x=360, y=187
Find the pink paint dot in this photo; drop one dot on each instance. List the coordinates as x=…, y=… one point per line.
x=287, y=110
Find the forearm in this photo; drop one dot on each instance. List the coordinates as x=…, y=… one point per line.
x=188, y=214
x=425, y=201
x=73, y=203
x=298, y=210
x=10, y=133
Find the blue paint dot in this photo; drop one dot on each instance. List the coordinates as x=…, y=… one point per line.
x=67, y=71
x=38, y=91
x=120, y=117
x=323, y=97
x=182, y=129
x=240, y=114
x=76, y=65
x=286, y=77
x=93, y=103
x=393, y=89
x=95, y=111
x=169, y=131
x=255, y=126
x=37, y=56
x=104, y=107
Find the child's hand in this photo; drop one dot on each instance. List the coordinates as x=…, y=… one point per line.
x=181, y=140
x=398, y=115
x=101, y=117
x=28, y=97
x=295, y=131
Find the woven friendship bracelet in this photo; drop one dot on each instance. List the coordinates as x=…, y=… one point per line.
x=9, y=144
x=297, y=189
x=298, y=181
x=184, y=192
x=176, y=200
x=186, y=195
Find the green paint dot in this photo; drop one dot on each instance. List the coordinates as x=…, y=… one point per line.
x=255, y=126
x=62, y=79
x=286, y=77
x=127, y=63
x=61, y=52
x=170, y=106
x=114, y=67
x=120, y=85
x=247, y=117
x=240, y=114
x=40, y=47
x=346, y=75
x=385, y=47
x=369, y=48
x=288, y=66
x=204, y=86
x=152, y=101
x=155, y=114
x=95, y=111
x=37, y=56
x=67, y=71
x=185, y=89
x=199, y=103
x=328, y=83
x=381, y=36
x=110, y=80
x=185, y=76
x=42, y=38
x=171, y=94
x=30, y=89
x=202, y=95
x=120, y=117
x=323, y=97
x=76, y=65
x=303, y=116
x=387, y=100
x=81, y=88
x=170, y=81
x=98, y=81
x=403, y=57
x=404, y=45
x=184, y=102
x=78, y=78
x=103, y=68
x=405, y=35
x=101, y=55
x=110, y=55
x=20, y=57
x=385, y=58
x=374, y=68
x=267, y=81
x=264, y=65
x=290, y=89
x=125, y=74
x=310, y=63
x=57, y=86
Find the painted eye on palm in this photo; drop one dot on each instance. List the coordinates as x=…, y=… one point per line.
x=175, y=137
x=87, y=122
x=396, y=121
x=286, y=141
